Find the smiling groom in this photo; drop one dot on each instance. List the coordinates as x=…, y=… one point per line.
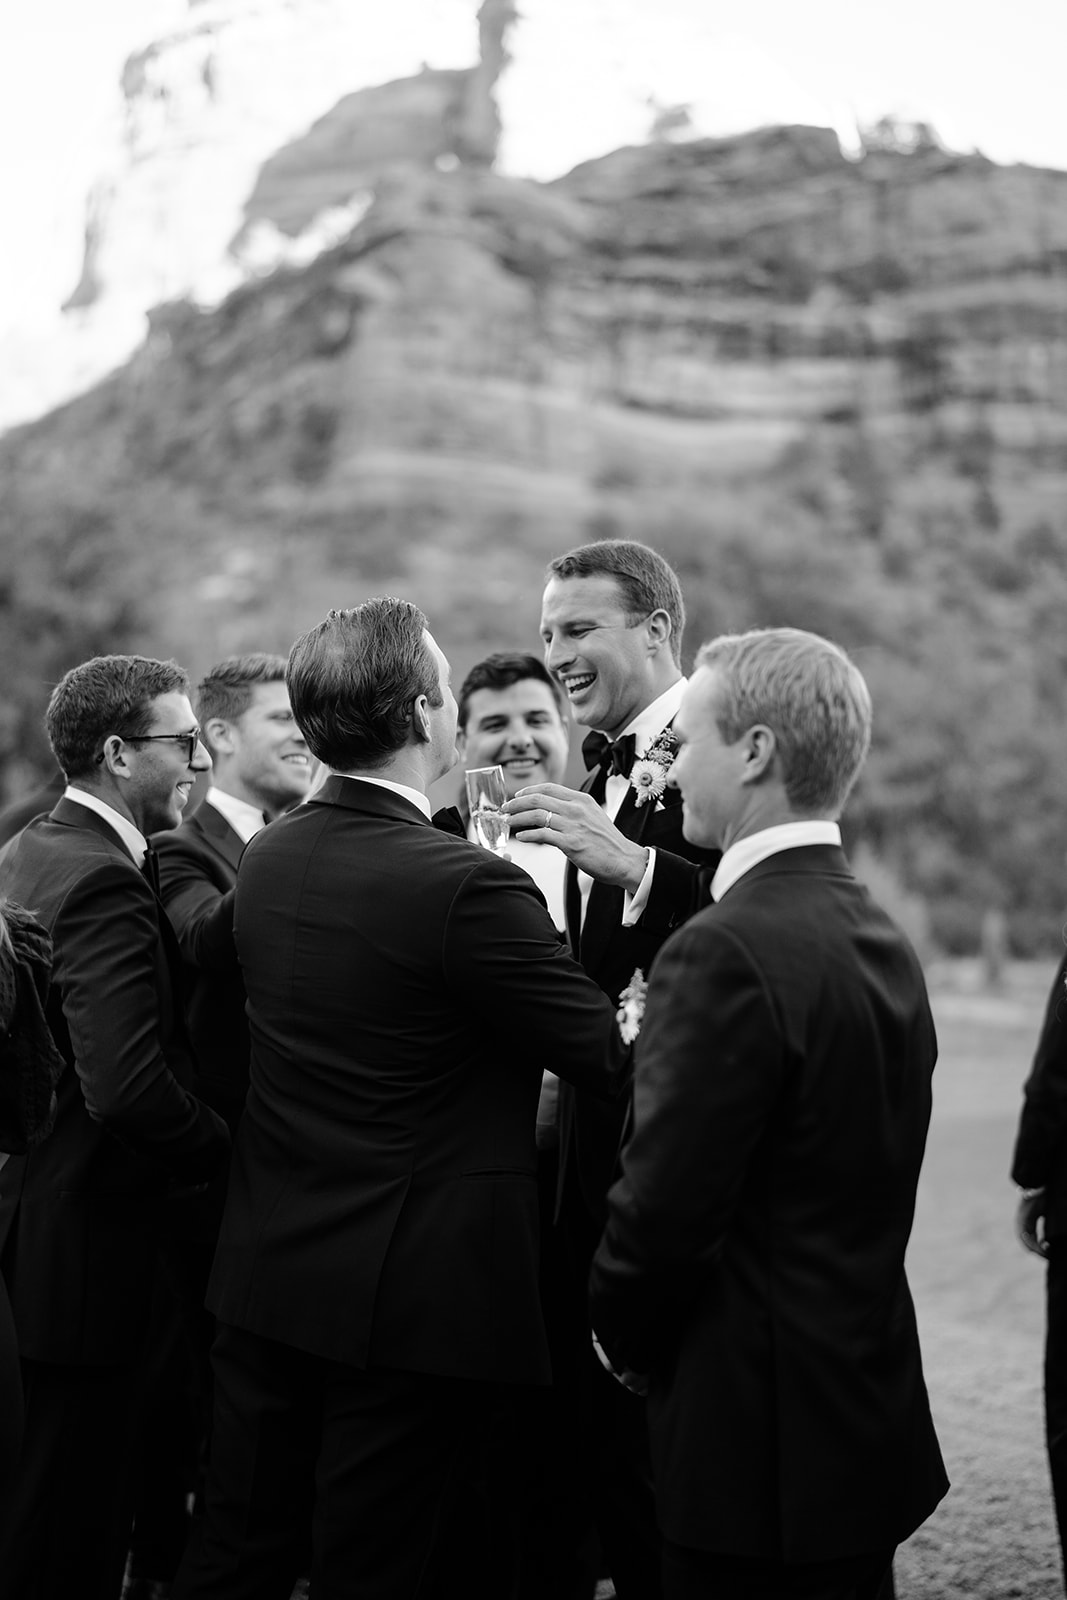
x=611, y=626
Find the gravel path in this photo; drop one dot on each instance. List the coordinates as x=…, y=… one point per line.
x=980, y=1303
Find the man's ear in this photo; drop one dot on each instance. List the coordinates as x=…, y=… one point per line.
x=461, y=743
x=420, y=719
x=660, y=628
x=761, y=753
x=116, y=757
x=219, y=735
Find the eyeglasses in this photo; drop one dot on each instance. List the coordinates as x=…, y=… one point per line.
x=190, y=740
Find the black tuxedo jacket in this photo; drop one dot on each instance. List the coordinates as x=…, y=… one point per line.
x=80, y=1214
x=591, y=1131
x=405, y=989
x=197, y=875
x=1040, y=1160
x=753, y=1259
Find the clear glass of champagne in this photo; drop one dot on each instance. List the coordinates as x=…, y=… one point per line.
x=486, y=796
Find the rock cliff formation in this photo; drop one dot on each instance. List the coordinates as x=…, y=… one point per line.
x=834, y=392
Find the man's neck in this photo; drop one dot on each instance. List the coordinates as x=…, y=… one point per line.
x=105, y=795
x=231, y=784
x=409, y=774
x=650, y=701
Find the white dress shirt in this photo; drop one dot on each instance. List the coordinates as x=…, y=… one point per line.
x=747, y=853
x=131, y=836
x=646, y=728
x=245, y=819
x=416, y=796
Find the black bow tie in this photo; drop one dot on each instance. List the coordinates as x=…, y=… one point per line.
x=150, y=868
x=614, y=756
x=448, y=820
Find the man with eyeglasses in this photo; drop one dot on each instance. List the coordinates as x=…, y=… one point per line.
x=260, y=769
x=82, y=1217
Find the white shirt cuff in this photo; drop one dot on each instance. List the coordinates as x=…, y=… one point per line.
x=633, y=905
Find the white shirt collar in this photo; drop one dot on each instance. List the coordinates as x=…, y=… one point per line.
x=650, y=723
x=416, y=796
x=747, y=853
x=245, y=819
x=132, y=837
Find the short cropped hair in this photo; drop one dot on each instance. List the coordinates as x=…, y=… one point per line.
x=500, y=671
x=226, y=689
x=109, y=694
x=813, y=698
x=645, y=580
x=354, y=678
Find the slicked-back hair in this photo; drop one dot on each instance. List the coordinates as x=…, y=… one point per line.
x=500, y=671
x=226, y=690
x=109, y=694
x=813, y=698
x=353, y=681
x=645, y=581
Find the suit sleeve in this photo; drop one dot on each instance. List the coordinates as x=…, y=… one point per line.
x=675, y=893
x=1043, y=1123
x=201, y=913
x=106, y=936
x=709, y=1068
x=505, y=959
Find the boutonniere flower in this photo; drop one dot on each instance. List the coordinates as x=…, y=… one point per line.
x=648, y=775
x=632, y=1007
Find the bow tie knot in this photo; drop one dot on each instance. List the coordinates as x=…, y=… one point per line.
x=448, y=820
x=611, y=755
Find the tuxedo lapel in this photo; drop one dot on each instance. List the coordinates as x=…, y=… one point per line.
x=604, y=907
x=77, y=816
x=218, y=834
x=572, y=898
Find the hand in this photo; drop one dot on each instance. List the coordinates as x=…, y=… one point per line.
x=1029, y=1222
x=548, y=813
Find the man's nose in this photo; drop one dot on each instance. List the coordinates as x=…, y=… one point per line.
x=201, y=757
x=557, y=655
x=519, y=738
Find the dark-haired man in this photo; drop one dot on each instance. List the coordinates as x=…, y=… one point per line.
x=611, y=623
x=510, y=714
x=81, y=1216
x=376, y=1277
x=261, y=768
x=751, y=1274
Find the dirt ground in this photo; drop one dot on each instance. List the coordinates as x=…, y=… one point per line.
x=980, y=1303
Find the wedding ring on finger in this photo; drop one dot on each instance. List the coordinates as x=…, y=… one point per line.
x=548, y=818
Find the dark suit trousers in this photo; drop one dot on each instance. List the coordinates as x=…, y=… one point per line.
x=65, y=1526
x=592, y=1443
x=383, y=1456
x=707, y=1575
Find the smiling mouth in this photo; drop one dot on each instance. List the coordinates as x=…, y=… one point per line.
x=296, y=760
x=184, y=789
x=579, y=682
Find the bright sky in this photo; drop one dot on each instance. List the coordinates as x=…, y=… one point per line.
x=584, y=74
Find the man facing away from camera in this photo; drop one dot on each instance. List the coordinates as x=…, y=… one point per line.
x=751, y=1274
x=376, y=1278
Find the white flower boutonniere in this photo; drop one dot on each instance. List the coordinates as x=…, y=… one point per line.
x=632, y=1007
x=648, y=776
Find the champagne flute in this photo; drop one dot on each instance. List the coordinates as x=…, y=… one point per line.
x=486, y=796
